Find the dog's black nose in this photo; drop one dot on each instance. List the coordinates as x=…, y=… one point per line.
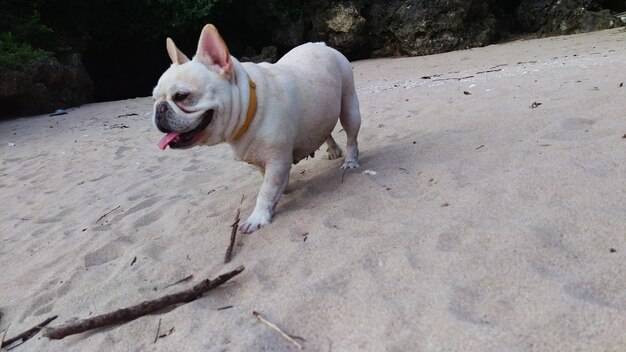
x=160, y=117
x=162, y=107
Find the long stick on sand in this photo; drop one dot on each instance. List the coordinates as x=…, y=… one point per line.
x=143, y=308
x=26, y=334
x=276, y=329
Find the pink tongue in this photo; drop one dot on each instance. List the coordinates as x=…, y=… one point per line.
x=168, y=139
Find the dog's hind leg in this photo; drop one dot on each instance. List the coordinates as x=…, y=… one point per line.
x=350, y=118
x=333, y=149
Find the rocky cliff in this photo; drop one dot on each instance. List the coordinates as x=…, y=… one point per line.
x=364, y=28
x=259, y=30
x=44, y=86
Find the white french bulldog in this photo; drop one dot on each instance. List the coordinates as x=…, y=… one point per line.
x=272, y=115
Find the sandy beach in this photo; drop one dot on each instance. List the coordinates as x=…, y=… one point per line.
x=492, y=217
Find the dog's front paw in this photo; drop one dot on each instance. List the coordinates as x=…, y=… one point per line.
x=255, y=221
x=350, y=165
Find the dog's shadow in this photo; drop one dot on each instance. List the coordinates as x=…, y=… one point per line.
x=304, y=191
x=398, y=167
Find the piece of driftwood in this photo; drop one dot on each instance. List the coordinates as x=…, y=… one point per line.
x=28, y=333
x=146, y=307
x=233, y=237
x=277, y=329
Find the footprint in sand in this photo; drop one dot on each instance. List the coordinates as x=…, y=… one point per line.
x=43, y=304
x=11, y=160
x=40, y=231
x=603, y=290
x=191, y=168
x=567, y=129
x=28, y=176
x=449, y=241
x=144, y=204
x=103, y=255
x=148, y=219
x=45, y=309
x=56, y=218
x=119, y=154
x=477, y=305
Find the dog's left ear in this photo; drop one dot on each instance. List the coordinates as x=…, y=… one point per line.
x=213, y=52
x=176, y=55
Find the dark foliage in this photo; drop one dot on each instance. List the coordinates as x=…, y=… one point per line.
x=122, y=42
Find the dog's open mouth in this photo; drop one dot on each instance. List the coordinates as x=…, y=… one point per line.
x=180, y=140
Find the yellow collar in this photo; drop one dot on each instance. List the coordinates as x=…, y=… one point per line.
x=250, y=115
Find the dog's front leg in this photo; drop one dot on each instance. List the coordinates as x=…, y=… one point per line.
x=275, y=180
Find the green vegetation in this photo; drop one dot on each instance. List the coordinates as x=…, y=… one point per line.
x=185, y=13
x=16, y=55
x=290, y=8
x=21, y=36
x=36, y=29
x=32, y=29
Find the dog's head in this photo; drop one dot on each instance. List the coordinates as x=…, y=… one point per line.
x=192, y=93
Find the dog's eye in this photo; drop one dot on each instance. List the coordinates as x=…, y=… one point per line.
x=180, y=96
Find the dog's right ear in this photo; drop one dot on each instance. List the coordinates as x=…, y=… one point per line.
x=176, y=55
x=213, y=52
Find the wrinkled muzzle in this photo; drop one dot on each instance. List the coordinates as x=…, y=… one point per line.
x=166, y=119
x=179, y=132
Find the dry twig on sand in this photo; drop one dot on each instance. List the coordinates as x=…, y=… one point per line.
x=4, y=335
x=143, y=308
x=453, y=78
x=158, y=331
x=492, y=70
x=167, y=333
x=277, y=329
x=105, y=215
x=26, y=334
x=184, y=279
x=233, y=237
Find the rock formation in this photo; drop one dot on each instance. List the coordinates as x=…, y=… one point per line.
x=44, y=86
